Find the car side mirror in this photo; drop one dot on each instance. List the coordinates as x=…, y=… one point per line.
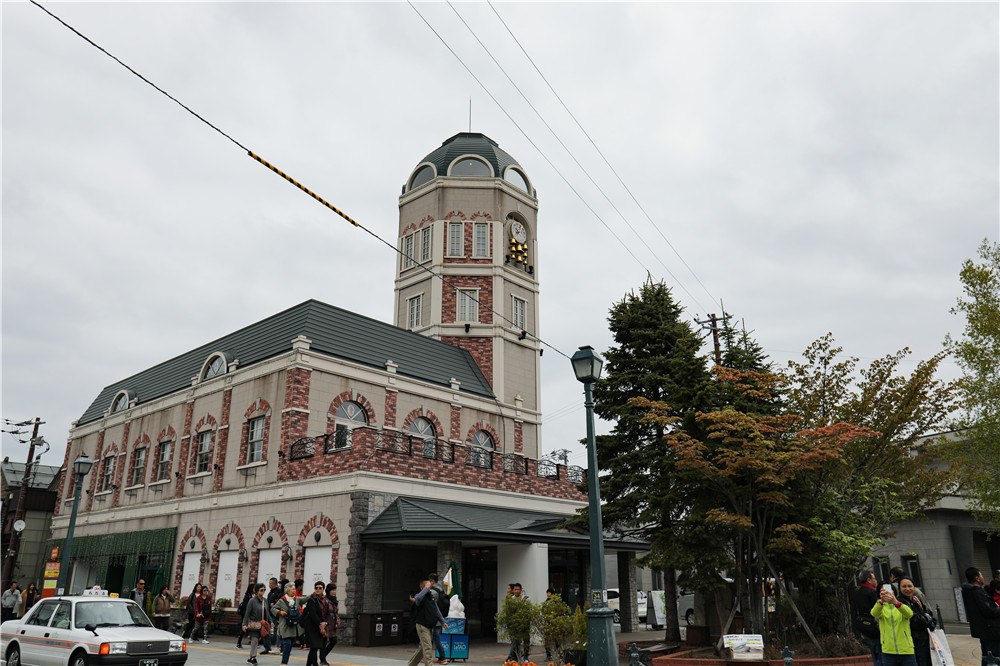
x=91, y=628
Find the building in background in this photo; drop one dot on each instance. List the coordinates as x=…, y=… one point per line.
x=39, y=505
x=321, y=444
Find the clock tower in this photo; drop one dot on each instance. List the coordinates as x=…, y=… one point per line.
x=467, y=273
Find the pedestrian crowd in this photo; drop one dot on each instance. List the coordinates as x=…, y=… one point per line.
x=895, y=619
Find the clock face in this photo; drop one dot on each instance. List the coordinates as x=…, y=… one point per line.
x=518, y=232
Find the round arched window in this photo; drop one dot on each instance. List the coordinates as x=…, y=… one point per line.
x=482, y=439
x=424, y=429
x=470, y=166
x=517, y=179
x=120, y=403
x=216, y=366
x=424, y=175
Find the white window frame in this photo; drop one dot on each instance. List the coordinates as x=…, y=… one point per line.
x=408, y=251
x=108, y=472
x=519, y=316
x=203, y=454
x=414, y=315
x=138, y=467
x=467, y=305
x=456, y=239
x=425, y=244
x=255, y=439
x=481, y=239
x=163, y=459
x=344, y=426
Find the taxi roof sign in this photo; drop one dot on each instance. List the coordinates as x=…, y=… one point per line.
x=95, y=591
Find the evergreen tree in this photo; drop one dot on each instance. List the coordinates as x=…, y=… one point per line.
x=655, y=356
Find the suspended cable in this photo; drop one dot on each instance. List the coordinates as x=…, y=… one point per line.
x=599, y=152
x=291, y=180
x=486, y=48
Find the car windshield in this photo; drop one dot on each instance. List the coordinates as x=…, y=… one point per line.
x=110, y=614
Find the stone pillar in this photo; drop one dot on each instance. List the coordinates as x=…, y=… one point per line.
x=627, y=601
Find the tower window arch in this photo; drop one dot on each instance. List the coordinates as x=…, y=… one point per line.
x=471, y=166
x=423, y=175
x=350, y=415
x=516, y=177
x=122, y=401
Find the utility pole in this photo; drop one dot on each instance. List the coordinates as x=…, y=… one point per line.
x=15, y=537
x=712, y=324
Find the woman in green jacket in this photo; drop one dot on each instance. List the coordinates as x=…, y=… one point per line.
x=894, y=628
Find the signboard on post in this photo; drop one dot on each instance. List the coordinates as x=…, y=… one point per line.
x=745, y=647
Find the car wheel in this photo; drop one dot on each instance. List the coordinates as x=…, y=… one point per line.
x=78, y=659
x=13, y=656
x=689, y=616
x=618, y=617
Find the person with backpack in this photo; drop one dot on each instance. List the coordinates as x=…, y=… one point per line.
x=202, y=614
x=427, y=616
x=441, y=599
x=289, y=614
x=864, y=598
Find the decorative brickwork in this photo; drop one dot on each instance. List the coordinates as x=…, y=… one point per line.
x=166, y=435
x=323, y=522
x=421, y=412
x=223, y=437
x=182, y=456
x=96, y=470
x=65, y=471
x=456, y=422
x=141, y=442
x=413, y=226
x=197, y=533
x=366, y=453
x=206, y=423
x=295, y=415
x=456, y=214
x=267, y=526
x=518, y=437
x=120, y=466
x=449, y=298
x=483, y=425
x=390, y=408
x=349, y=396
x=257, y=408
x=481, y=349
x=233, y=529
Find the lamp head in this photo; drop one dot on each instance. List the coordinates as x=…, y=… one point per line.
x=587, y=365
x=83, y=465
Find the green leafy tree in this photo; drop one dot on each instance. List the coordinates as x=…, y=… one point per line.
x=752, y=462
x=885, y=477
x=976, y=453
x=655, y=356
x=561, y=629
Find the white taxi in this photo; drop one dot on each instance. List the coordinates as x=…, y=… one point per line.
x=90, y=630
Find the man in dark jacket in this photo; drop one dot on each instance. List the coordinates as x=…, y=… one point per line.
x=427, y=616
x=983, y=613
x=865, y=598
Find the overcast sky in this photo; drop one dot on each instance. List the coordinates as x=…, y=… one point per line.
x=816, y=167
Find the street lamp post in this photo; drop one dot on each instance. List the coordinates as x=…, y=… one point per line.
x=602, y=650
x=81, y=468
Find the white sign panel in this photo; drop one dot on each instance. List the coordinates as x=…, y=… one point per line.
x=745, y=647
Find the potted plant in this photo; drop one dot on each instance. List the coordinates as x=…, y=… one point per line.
x=515, y=621
x=563, y=631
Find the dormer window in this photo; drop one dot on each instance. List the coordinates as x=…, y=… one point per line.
x=215, y=365
x=471, y=166
x=122, y=401
x=423, y=175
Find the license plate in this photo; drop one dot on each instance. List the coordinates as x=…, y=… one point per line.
x=148, y=662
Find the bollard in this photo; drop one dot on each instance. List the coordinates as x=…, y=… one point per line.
x=939, y=618
x=786, y=654
x=633, y=654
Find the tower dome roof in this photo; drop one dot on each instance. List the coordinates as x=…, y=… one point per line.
x=470, y=143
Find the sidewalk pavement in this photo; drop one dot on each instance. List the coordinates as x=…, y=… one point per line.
x=222, y=651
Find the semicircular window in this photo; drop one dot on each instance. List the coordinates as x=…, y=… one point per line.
x=350, y=415
x=216, y=366
x=516, y=178
x=480, y=448
x=470, y=166
x=424, y=175
x=121, y=403
x=482, y=439
x=424, y=429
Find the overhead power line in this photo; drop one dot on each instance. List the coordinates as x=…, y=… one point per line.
x=285, y=176
x=601, y=153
